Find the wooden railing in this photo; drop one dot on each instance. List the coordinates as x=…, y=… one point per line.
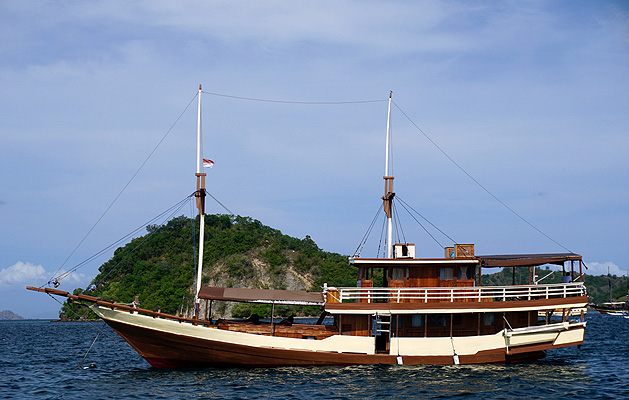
x=457, y=294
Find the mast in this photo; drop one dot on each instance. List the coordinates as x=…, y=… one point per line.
x=200, y=195
x=388, y=186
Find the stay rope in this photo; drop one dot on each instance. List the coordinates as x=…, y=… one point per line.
x=91, y=322
x=362, y=243
x=175, y=209
x=124, y=187
x=477, y=182
x=295, y=102
x=407, y=207
x=54, y=274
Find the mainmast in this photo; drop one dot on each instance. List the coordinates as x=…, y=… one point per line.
x=200, y=195
x=388, y=186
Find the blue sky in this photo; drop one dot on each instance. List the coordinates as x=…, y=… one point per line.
x=529, y=97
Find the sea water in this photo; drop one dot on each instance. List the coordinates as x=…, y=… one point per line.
x=44, y=360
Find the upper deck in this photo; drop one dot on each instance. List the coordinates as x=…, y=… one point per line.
x=460, y=267
x=352, y=300
x=455, y=294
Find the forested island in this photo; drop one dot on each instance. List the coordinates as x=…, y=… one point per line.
x=242, y=252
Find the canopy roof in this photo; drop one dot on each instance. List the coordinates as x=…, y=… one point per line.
x=491, y=261
x=296, y=297
x=526, y=260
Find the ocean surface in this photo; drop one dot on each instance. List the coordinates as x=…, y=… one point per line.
x=40, y=360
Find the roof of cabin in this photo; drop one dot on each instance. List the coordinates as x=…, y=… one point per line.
x=526, y=260
x=489, y=261
x=297, y=297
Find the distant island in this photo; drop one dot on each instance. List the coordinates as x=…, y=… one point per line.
x=7, y=315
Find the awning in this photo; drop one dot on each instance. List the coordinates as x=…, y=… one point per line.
x=526, y=260
x=295, y=297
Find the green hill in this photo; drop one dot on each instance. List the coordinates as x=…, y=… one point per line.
x=238, y=252
x=599, y=288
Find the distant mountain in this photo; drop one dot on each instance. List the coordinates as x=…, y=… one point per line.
x=7, y=315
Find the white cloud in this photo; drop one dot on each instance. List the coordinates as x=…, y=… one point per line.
x=22, y=273
x=601, y=268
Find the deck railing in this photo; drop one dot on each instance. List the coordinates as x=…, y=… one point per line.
x=455, y=294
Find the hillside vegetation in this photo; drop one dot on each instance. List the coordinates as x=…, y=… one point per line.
x=238, y=252
x=242, y=252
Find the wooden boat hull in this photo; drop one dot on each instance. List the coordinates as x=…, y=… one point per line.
x=621, y=310
x=171, y=344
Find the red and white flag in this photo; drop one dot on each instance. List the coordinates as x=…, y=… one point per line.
x=207, y=163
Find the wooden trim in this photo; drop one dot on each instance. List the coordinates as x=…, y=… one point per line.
x=457, y=307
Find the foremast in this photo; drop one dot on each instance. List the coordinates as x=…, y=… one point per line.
x=200, y=195
x=388, y=186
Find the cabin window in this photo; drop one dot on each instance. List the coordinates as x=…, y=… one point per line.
x=418, y=321
x=464, y=273
x=365, y=273
x=437, y=320
x=446, y=273
x=397, y=274
x=489, y=319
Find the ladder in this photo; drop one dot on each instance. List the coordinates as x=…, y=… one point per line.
x=382, y=331
x=382, y=323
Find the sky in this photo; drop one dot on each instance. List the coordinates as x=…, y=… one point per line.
x=516, y=103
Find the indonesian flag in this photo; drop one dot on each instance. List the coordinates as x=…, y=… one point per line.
x=207, y=163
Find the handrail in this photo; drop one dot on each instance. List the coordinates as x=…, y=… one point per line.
x=455, y=294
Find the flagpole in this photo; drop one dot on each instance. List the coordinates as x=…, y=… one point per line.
x=200, y=195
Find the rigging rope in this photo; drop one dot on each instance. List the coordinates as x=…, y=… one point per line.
x=55, y=280
x=92, y=345
x=175, y=209
x=221, y=204
x=406, y=207
x=54, y=274
x=383, y=241
x=91, y=322
x=478, y=183
x=362, y=243
x=398, y=226
x=125, y=187
x=295, y=102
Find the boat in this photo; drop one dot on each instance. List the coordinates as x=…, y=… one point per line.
x=612, y=308
x=616, y=308
x=404, y=310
